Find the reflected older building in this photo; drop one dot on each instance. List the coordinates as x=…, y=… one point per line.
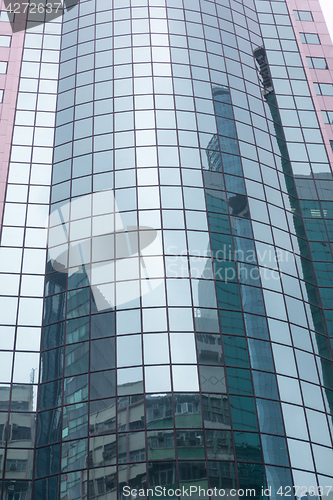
x=18, y=434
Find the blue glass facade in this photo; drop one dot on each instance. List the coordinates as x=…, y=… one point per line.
x=186, y=320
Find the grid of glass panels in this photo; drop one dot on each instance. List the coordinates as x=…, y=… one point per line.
x=23, y=255
x=159, y=174
x=142, y=383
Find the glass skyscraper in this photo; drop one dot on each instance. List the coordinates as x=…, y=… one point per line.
x=166, y=256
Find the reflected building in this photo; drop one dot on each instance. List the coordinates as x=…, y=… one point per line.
x=18, y=435
x=166, y=242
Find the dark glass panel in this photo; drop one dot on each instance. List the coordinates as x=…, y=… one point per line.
x=192, y=474
x=239, y=381
x=72, y=486
x=228, y=296
x=248, y=274
x=76, y=389
x=55, y=283
x=222, y=475
x=19, y=490
x=48, y=427
x=235, y=351
x=219, y=223
x=320, y=251
x=256, y=326
x=74, y=454
x=225, y=270
x=261, y=355
x=274, y=450
x=310, y=208
x=76, y=359
x=47, y=461
x=78, y=302
x=277, y=477
x=270, y=416
x=243, y=413
x=46, y=489
x=247, y=446
x=252, y=476
x=265, y=385
x=54, y=308
x=162, y=474
x=216, y=202
x=103, y=325
x=102, y=384
x=102, y=354
x=75, y=421
x=77, y=330
x=53, y=336
x=252, y=300
x=219, y=244
x=232, y=322
x=51, y=364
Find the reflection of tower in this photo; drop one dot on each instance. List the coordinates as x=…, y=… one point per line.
x=303, y=186
x=227, y=189
x=65, y=352
x=223, y=153
x=234, y=249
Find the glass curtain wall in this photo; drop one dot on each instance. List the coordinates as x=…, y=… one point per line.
x=184, y=341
